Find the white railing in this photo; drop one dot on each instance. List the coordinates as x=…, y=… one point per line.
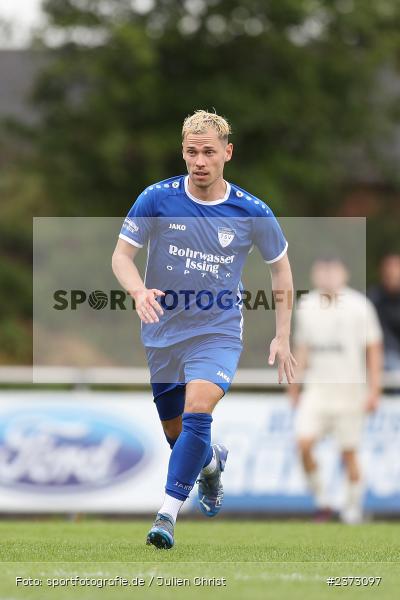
x=244, y=378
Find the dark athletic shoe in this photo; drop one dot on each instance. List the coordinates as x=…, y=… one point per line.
x=161, y=535
x=211, y=491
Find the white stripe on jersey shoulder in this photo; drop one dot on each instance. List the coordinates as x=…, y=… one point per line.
x=279, y=256
x=165, y=184
x=205, y=202
x=130, y=241
x=251, y=200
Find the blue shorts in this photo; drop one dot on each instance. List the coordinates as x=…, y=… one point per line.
x=205, y=357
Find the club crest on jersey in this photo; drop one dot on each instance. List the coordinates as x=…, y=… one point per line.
x=225, y=236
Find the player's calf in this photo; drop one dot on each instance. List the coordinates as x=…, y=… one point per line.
x=187, y=458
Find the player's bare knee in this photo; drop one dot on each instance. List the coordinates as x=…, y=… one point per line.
x=202, y=396
x=198, y=405
x=349, y=456
x=305, y=446
x=351, y=464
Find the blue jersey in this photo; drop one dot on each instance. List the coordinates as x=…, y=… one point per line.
x=196, y=254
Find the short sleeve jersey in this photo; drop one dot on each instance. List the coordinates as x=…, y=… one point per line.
x=336, y=333
x=196, y=253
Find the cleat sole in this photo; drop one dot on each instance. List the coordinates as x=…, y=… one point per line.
x=160, y=540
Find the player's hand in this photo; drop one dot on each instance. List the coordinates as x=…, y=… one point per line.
x=147, y=306
x=280, y=350
x=372, y=402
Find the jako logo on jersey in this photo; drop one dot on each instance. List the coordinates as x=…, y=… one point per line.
x=177, y=226
x=225, y=236
x=222, y=374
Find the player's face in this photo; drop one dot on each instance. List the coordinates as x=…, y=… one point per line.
x=390, y=273
x=205, y=155
x=329, y=276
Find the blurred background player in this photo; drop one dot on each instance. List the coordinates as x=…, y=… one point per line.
x=386, y=298
x=337, y=335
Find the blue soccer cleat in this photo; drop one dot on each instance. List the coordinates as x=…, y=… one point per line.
x=161, y=535
x=211, y=491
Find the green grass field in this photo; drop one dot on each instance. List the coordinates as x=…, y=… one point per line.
x=259, y=560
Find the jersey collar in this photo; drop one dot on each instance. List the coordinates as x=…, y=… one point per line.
x=205, y=202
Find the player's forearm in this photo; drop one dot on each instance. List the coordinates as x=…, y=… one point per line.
x=282, y=288
x=374, y=367
x=127, y=274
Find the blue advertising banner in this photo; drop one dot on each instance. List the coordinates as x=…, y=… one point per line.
x=105, y=452
x=264, y=471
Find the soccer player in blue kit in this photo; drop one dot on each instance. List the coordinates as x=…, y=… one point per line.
x=199, y=230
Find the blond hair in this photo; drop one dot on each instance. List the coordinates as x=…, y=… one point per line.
x=201, y=120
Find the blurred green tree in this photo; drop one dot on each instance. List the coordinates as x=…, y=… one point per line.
x=300, y=80
x=297, y=79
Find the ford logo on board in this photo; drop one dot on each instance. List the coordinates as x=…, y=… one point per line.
x=66, y=449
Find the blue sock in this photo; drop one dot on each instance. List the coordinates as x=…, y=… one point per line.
x=172, y=441
x=189, y=454
x=209, y=457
